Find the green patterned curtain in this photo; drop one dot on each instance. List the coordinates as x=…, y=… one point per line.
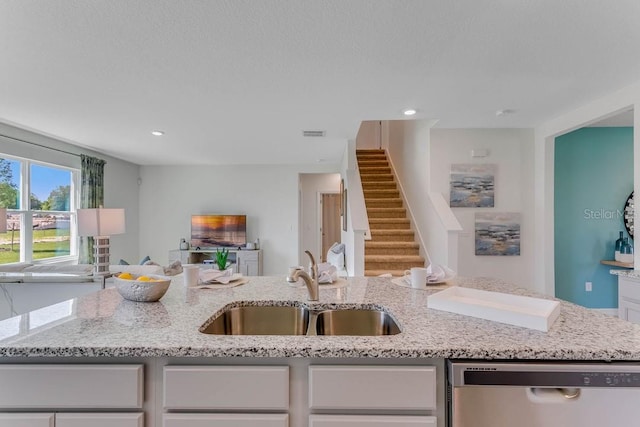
x=91, y=196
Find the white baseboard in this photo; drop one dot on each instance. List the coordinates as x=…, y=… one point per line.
x=613, y=312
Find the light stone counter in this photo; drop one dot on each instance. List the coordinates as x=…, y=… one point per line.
x=103, y=324
x=632, y=274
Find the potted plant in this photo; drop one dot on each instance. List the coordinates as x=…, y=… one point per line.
x=221, y=258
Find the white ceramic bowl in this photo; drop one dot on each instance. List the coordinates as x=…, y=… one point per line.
x=143, y=291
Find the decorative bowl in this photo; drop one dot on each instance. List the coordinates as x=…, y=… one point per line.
x=134, y=289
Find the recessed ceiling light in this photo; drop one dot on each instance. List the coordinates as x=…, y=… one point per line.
x=157, y=132
x=409, y=112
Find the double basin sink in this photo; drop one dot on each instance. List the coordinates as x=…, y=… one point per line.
x=299, y=319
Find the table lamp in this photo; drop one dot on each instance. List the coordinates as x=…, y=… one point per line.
x=101, y=223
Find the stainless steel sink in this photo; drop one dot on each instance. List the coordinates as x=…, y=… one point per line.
x=367, y=322
x=298, y=319
x=266, y=320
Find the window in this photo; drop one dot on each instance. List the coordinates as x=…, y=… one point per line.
x=41, y=210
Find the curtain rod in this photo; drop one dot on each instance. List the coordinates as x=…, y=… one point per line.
x=40, y=145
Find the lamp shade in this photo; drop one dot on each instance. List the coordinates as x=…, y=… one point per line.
x=3, y=220
x=100, y=222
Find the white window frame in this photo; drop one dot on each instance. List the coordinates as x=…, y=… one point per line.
x=26, y=215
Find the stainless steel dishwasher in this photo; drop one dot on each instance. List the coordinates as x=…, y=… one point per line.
x=500, y=394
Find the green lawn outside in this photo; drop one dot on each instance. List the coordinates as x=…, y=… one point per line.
x=43, y=246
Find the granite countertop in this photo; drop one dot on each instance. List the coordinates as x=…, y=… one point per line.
x=632, y=274
x=103, y=324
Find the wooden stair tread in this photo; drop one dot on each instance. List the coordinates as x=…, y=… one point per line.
x=374, y=244
x=395, y=258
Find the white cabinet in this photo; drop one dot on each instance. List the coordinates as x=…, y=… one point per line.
x=247, y=262
x=372, y=387
x=228, y=388
x=71, y=419
x=27, y=420
x=363, y=392
x=100, y=420
x=65, y=389
x=231, y=389
x=70, y=386
x=225, y=420
x=629, y=299
x=372, y=421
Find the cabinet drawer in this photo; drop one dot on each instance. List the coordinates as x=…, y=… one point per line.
x=71, y=386
x=629, y=310
x=372, y=387
x=248, y=255
x=100, y=420
x=371, y=421
x=629, y=289
x=225, y=420
x=27, y=420
x=226, y=387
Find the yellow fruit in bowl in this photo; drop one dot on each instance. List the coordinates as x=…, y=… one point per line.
x=126, y=276
x=144, y=279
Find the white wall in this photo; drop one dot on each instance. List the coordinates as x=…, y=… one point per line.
x=512, y=150
x=268, y=195
x=310, y=186
x=121, y=179
x=407, y=142
x=369, y=135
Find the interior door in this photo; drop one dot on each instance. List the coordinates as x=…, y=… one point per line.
x=330, y=228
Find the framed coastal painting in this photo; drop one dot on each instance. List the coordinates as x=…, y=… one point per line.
x=498, y=234
x=472, y=186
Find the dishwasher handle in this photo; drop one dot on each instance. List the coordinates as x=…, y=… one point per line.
x=552, y=395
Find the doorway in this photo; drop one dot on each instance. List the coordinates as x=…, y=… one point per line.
x=330, y=228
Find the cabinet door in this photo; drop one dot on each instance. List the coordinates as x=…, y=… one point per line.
x=371, y=421
x=372, y=387
x=248, y=263
x=226, y=388
x=71, y=386
x=225, y=420
x=100, y=420
x=26, y=420
x=629, y=310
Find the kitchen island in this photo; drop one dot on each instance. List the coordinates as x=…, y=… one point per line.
x=283, y=380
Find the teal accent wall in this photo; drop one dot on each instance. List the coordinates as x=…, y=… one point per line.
x=593, y=177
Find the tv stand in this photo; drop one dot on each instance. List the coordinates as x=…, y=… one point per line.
x=246, y=262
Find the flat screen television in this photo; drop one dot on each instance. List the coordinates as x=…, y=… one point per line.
x=217, y=231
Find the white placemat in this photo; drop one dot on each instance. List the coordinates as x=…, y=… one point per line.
x=399, y=281
x=231, y=284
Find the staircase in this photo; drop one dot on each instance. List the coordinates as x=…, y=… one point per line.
x=392, y=248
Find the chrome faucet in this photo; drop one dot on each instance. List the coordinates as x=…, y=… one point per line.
x=311, y=281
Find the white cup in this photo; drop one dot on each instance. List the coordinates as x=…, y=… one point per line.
x=191, y=275
x=417, y=277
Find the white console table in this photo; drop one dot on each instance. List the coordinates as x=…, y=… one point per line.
x=247, y=262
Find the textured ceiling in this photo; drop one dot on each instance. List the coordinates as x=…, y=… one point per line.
x=236, y=81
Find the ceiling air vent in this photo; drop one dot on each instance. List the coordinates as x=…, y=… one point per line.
x=312, y=133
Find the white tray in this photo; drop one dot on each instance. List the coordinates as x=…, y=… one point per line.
x=534, y=313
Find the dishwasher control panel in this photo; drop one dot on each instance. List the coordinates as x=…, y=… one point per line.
x=544, y=375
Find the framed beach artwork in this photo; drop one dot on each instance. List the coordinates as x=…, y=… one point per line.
x=498, y=233
x=472, y=186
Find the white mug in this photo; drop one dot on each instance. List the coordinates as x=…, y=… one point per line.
x=191, y=275
x=417, y=277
